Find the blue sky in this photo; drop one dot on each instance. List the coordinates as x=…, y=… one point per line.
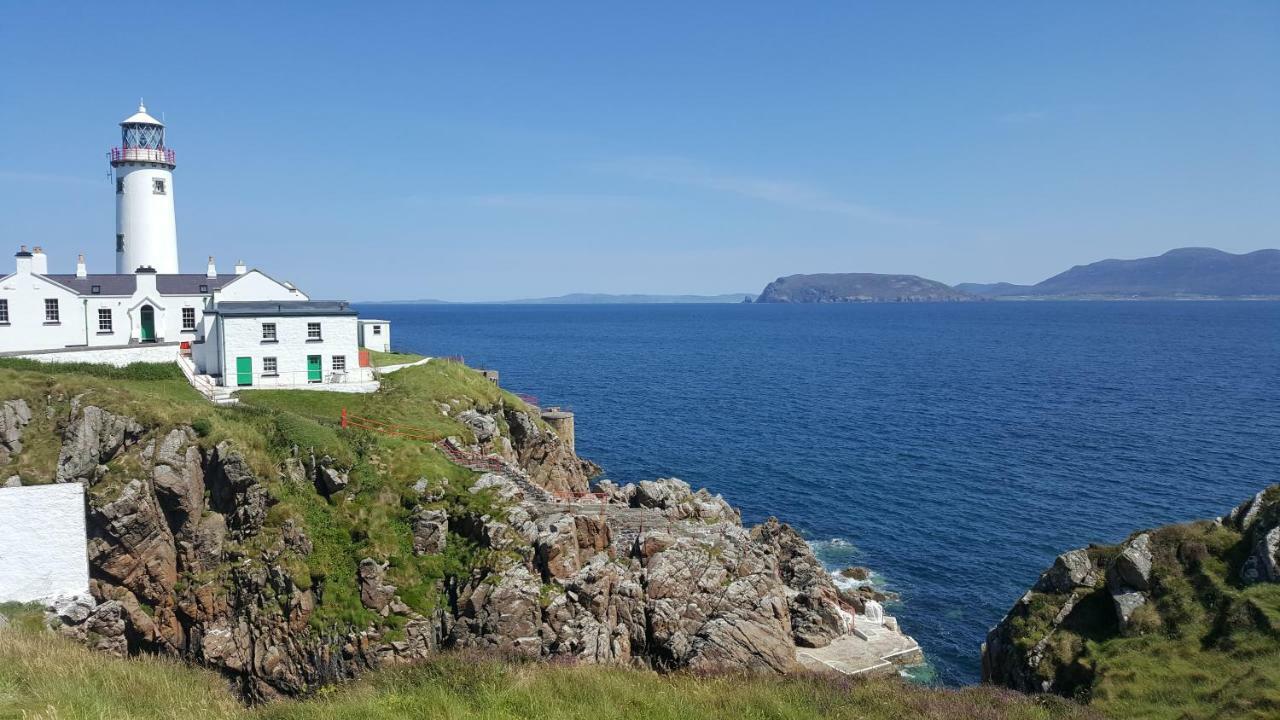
x=486, y=151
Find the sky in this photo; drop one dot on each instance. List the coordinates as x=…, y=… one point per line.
x=476, y=151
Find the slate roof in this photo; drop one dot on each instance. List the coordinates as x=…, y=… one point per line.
x=183, y=284
x=286, y=308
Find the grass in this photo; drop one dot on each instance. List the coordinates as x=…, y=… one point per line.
x=1203, y=647
x=44, y=677
x=383, y=359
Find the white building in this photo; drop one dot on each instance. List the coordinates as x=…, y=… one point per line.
x=245, y=329
x=375, y=335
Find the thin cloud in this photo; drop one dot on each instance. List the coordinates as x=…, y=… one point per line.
x=783, y=193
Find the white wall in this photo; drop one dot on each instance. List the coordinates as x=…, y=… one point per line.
x=256, y=286
x=146, y=219
x=42, y=542
x=242, y=337
x=27, y=330
x=380, y=342
x=119, y=357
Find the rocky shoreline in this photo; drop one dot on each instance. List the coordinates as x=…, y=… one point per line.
x=190, y=557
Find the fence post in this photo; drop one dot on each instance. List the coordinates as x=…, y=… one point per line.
x=344, y=418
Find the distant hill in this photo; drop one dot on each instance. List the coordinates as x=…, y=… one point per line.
x=1181, y=273
x=859, y=287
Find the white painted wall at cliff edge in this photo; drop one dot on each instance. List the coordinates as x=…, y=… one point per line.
x=42, y=542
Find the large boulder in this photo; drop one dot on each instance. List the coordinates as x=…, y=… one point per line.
x=14, y=416
x=1071, y=570
x=1132, y=567
x=430, y=531
x=485, y=428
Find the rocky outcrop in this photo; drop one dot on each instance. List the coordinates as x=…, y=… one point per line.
x=1170, y=581
x=190, y=557
x=14, y=416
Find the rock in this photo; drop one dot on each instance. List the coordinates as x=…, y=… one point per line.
x=332, y=481
x=235, y=492
x=14, y=416
x=1263, y=563
x=1132, y=567
x=503, y=488
x=131, y=544
x=73, y=609
x=812, y=598
x=500, y=612
x=1243, y=515
x=482, y=426
x=856, y=573
x=1070, y=570
x=92, y=439
x=430, y=531
x=557, y=548
x=375, y=592
x=106, y=628
x=549, y=461
x=13, y=482
x=1126, y=602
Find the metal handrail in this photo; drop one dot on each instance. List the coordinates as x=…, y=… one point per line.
x=125, y=154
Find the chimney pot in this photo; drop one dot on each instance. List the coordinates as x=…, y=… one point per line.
x=80, y=268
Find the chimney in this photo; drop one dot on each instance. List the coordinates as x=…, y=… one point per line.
x=80, y=269
x=240, y=269
x=39, y=261
x=146, y=280
x=24, y=260
x=212, y=272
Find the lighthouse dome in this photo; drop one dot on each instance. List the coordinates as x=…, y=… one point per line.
x=141, y=118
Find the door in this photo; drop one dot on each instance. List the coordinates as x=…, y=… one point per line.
x=314, y=372
x=244, y=371
x=149, y=324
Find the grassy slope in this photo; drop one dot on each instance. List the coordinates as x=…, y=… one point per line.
x=1206, y=648
x=382, y=359
x=370, y=519
x=44, y=678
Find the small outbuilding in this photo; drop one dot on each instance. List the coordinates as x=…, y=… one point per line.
x=375, y=335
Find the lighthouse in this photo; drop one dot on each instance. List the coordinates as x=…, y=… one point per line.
x=146, y=228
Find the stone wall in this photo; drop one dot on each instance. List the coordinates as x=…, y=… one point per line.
x=42, y=542
x=119, y=356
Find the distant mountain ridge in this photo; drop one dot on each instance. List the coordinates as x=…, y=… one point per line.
x=859, y=287
x=589, y=299
x=1180, y=273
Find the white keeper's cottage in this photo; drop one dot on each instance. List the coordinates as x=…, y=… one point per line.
x=228, y=331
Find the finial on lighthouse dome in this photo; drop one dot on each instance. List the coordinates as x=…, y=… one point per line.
x=141, y=117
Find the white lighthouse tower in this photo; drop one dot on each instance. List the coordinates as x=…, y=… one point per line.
x=146, y=228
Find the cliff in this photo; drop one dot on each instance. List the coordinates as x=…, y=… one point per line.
x=266, y=543
x=858, y=287
x=1180, y=621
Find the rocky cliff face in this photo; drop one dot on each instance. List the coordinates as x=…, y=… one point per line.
x=1202, y=586
x=196, y=555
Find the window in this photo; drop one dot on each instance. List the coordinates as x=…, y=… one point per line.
x=157, y=186
x=51, y=310
x=268, y=332
x=313, y=331
x=95, y=289
x=4, y=312
x=377, y=329
x=204, y=288
x=188, y=318
x=119, y=185
x=269, y=367
x=104, y=320
x=339, y=363
x=119, y=242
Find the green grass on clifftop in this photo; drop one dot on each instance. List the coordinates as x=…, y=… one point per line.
x=47, y=678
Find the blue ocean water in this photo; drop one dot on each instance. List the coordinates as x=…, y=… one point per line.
x=954, y=449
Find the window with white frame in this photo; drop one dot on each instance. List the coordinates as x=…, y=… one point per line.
x=313, y=331
x=4, y=311
x=51, y=314
x=377, y=329
x=188, y=318
x=339, y=363
x=270, y=367
x=104, y=320
x=268, y=332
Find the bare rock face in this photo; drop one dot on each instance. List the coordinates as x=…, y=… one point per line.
x=813, y=600
x=375, y=593
x=549, y=461
x=500, y=612
x=93, y=437
x=14, y=416
x=430, y=531
x=1071, y=570
x=484, y=427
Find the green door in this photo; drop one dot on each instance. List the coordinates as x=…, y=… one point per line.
x=149, y=324
x=244, y=371
x=313, y=368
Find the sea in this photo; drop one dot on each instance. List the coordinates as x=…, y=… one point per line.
x=954, y=449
